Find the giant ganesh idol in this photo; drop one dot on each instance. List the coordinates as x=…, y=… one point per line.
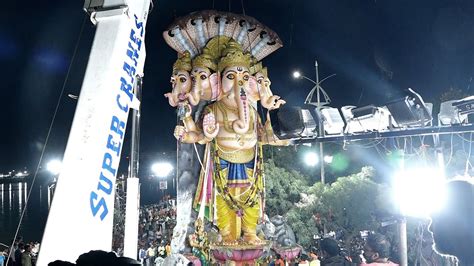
x=227, y=82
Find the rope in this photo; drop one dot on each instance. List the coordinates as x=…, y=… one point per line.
x=197, y=154
x=177, y=163
x=248, y=35
x=48, y=135
x=469, y=155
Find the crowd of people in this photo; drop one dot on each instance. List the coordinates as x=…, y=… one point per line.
x=155, y=231
x=21, y=254
x=158, y=220
x=376, y=252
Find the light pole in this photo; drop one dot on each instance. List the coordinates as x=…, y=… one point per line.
x=132, y=203
x=319, y=90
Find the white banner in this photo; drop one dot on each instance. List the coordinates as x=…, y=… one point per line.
x=163, y=184
x=81, y=214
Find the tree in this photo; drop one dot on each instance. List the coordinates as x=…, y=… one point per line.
x=282, y=189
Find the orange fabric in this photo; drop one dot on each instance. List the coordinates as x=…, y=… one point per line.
x=279, y=262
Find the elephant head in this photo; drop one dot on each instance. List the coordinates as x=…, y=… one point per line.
x=180, y=80
x=268, y=100
x=237, y=85
x=205, y=83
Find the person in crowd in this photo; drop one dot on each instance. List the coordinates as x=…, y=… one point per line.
x=98, y=258
x=11, y=254
x=377, y=251
x=314, y=261
x=161, y=250
x=150, y=253
x=18, y=252
x=453, y=225
x=26, y=256
x=141, y=254
x=304, y=260
x=2, y=258
x=279, y=261
x=168, y=249
x=330, y=252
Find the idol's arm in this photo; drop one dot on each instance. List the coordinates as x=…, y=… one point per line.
x=269, y=137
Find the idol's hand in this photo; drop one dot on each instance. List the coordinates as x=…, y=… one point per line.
x=275, y=102
x=180, y=133
x=209, y=125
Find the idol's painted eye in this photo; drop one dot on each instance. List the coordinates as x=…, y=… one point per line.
x=183, y=80
x=246, y=77
x=230, y=76
x=172, y=80
x=203, y=77
x=193, y=78
x=259, y=81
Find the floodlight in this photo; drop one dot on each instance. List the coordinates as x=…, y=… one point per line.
x=296, y=74
x=311, y=158
x=419, y=192
x=333, y=122
x=291, y=122
x=365, y=119
x=162, y=169
x=410, y=111
x=465, y=106
x=450, y=115
x=328, y=159
x=54, y=167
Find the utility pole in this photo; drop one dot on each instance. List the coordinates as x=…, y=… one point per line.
x=320, y=124
x=133, y=186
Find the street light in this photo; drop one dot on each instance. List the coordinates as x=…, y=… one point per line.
x=54, y=166
x=318, y=104
x=419, y=192
x=162, y=169
x=328, y=159
x=296, y=74
x=311, y=159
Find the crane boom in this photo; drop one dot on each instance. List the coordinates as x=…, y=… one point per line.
x=81, y=214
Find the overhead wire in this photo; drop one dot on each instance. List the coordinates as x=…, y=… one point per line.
x=450, y=151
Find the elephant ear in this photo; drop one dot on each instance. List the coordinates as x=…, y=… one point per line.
x=215, y=92
x=253, y=89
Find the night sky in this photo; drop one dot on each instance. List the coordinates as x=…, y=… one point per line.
x=377, y=48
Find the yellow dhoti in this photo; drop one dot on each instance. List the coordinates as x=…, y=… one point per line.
x=236, y=204
x=232, y=223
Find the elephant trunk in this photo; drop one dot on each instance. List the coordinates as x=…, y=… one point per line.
x=242, y=124
x=194, y=96
x=172, y=99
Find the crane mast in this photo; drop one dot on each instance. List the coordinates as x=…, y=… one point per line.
x=81, y=214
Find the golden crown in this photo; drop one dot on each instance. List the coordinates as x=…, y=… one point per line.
x=205, y=61
x=233, y=56
x=255, y=68
x=216, y=46
x=183, y=62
